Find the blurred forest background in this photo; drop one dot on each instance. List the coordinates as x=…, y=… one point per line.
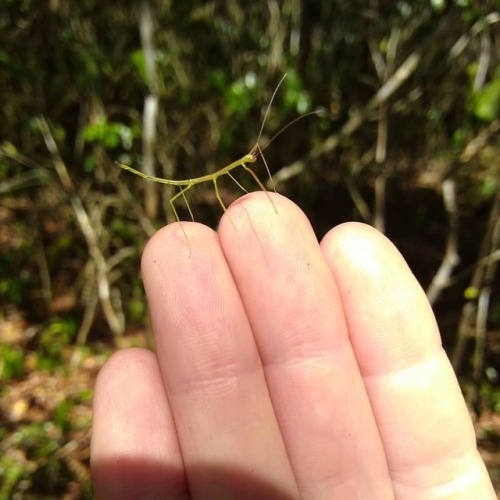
x=407, y=140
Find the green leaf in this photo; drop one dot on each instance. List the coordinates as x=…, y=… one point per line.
x=11, y=362
x=487, y=105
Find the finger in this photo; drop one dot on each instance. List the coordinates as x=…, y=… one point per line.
x=423, y=421
x=312, y=375
x=211, y=369
x=134, y=449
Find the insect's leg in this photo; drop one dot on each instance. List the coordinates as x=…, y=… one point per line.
x=172, y=205
x=236, y=182
x=182, y=191
x=221, y=202
x=254, y=175
x=267, y=167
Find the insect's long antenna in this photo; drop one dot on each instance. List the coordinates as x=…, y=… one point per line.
x=259, y=149
x=268, y=109
x=295, y=120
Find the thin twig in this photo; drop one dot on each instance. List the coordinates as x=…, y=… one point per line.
x=402, y=74
x=483, y=304
x=150, y=114
x=114, y=319
x=451, y=257
x=468, y=320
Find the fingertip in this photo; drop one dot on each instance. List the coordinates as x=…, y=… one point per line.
x=126, y=381
x=360, y=255
x=390, y=320
x=175, y=240
x=258, y=204
x=134, y=446
x=185, y=249
x=266, y=219
x=131, y=361
x=362, y=247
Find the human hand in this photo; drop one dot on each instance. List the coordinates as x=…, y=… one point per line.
x=283, y=370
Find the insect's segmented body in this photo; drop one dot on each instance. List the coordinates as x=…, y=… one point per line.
x=248, y=158
x=186, y=184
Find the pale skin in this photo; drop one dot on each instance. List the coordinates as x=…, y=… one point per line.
x=284, y=369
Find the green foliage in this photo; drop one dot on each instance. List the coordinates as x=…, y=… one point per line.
x=39, y=466
x=85, y=396
x=62, y=415
x=136, y=307
x=110, y=134
x=11, y=472
x=295, y=97
x=13, y=287
x=484, y=103
x=46, y=453
x=11, y=290
x=438, y=5
x=490, y=393
x=54, y=338
x=240, y=95
x=11, y=361
x=123, y=229
x=487, y=101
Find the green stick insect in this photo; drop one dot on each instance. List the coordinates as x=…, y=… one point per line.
x=251, y=157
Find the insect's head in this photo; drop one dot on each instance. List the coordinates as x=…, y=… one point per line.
x=253, y=155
